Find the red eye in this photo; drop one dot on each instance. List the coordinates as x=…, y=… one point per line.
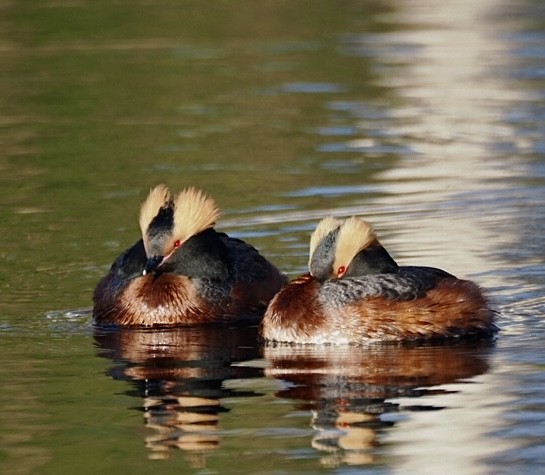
x=341, y=271
x=177, y=244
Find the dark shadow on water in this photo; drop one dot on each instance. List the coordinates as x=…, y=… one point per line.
x=179, y=374
x=351, y=391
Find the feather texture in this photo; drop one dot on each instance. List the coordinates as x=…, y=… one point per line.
x=370, y=297
x=157, y=198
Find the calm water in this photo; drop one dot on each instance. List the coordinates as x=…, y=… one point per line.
x=426, y=117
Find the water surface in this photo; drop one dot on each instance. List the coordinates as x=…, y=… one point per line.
x=427, y=118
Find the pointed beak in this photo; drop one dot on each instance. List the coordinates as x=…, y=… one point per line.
x=153, y=263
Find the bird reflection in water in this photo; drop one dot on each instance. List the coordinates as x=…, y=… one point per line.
x=180, y=373
x=349, y=390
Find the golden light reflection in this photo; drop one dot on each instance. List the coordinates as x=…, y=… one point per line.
x=179, y=375
x=452, y=115
x=351, y=392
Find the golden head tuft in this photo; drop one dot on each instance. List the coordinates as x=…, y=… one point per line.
x=325, y=226
x=355, y=235
x=157, y=198
x=194, y=211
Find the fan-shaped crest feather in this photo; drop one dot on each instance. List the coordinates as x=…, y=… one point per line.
x=157, y=198
x=325, y=226
x=194, y=211
x=355, y=235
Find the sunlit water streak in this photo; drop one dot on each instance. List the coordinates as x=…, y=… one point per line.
x=457, y=124
x=464, y=170
x=465, y=194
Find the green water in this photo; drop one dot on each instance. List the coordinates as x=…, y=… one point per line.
x=426, y=118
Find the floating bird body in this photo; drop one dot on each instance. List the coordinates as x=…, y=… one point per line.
x=182, y=271
x=357, y=293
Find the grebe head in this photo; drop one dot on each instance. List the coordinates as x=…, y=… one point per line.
x=347, y=248
x=323, y=243
x=167, y=222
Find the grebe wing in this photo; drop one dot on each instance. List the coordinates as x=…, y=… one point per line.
x=247, y=263
x=408, y=284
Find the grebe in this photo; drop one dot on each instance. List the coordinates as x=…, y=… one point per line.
x=182, y=271
x=356, y=293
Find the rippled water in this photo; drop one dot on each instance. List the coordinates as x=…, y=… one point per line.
x=427, y=118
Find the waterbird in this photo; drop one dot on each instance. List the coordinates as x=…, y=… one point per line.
x=184, y=272
x=356, y=293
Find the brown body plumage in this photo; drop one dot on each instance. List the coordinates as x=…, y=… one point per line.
x=183, y=272
x=356, y=293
